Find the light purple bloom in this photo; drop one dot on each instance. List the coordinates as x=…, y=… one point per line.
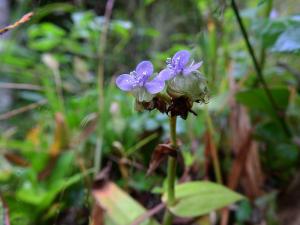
x=140, y=79
x=179, y=65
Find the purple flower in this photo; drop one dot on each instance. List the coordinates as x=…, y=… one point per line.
x=139, y=80
x=179, y=65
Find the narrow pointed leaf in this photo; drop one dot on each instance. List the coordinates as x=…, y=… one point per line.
x=120, y=207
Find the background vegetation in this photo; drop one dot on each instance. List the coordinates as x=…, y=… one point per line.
x=63, y=119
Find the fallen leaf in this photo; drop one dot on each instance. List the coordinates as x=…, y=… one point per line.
x=119, y=206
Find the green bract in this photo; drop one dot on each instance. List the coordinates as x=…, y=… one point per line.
x=142, y=95
x=193, y=86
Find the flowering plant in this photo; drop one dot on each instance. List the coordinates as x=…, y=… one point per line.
x=173, y=91
x=185, y=85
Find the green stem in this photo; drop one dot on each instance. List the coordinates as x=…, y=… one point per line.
x=171, y=180
x=173, y=131
x=280, y=118
x=171, y=174
x=168, y=218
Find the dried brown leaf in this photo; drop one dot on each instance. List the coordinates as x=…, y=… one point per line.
x=16, y=159
x=119, y=206
x=61, y=142
x=211, y=152
x=102, y=177
x=48, y=169
x=97, y=215
x=245, y=148
x=160, y=153
x=61, y=136
x=34, y=135
x=89, y=128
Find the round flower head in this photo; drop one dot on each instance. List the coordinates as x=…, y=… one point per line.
x=139, y=83
x=183, y=77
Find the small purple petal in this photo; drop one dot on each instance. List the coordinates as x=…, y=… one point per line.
x=125, y=82
x=181, y=58
x=165, y=74
x=154, y=86
x=144, y=68
x=191, y=68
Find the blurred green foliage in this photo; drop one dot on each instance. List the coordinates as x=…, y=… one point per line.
x=58, y=50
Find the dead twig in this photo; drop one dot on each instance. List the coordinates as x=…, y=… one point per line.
x=31, y=87
x=24, y=19
x=148, y=214
x=18, y=111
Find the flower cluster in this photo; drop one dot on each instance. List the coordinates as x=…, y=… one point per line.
x=184, y=85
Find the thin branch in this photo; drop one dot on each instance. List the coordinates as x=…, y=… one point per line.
x=20, y=86
x=258, y=70
x=18, y=111
x=148, y=214
x=24, y=19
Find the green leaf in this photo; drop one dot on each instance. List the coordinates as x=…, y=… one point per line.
x=257, y=99
x=52, y=9
x=42, y=197
x=288, y=41
x=45, y=36
x=244, y=212
x=120, y=207
x=270, y=29
x=201, y=197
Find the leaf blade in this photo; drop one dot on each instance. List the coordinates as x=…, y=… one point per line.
x=201, y=197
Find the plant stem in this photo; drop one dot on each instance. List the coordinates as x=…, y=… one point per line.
x=171, y=179
x=171, y=173
x=259, y=71
x=168, y=218
x=100, y=87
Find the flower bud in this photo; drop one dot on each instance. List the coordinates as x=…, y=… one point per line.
x=193, y=86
